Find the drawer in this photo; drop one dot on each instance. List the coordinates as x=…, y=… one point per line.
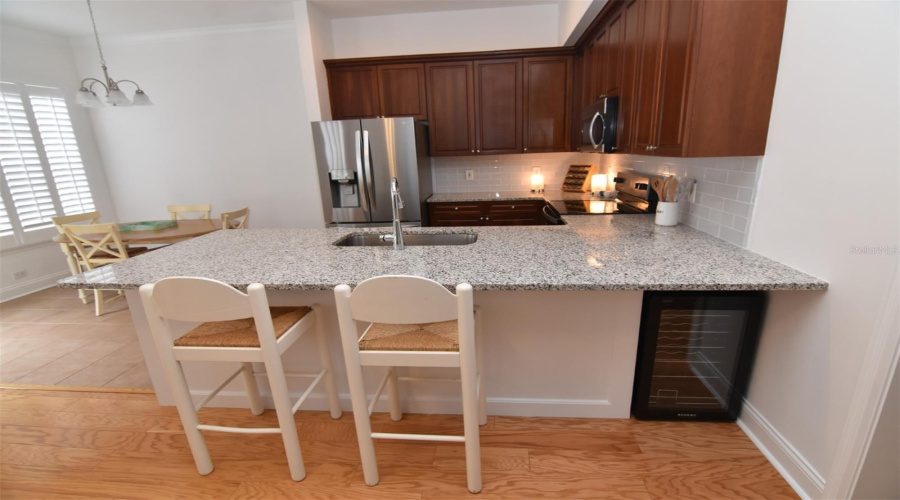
x=512, y=207
x=456, y=208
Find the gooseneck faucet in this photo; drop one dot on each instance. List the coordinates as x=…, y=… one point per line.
x=396, y=205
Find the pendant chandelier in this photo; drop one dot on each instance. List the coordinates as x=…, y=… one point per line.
x=114, y=96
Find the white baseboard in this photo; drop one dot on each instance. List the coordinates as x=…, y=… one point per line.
x=31, y=286
x=578, y=408
x=796, y=470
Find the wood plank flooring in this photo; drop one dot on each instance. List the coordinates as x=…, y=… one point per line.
x=60, y=444
x=51, y=338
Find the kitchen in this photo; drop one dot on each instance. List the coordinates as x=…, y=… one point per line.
x=577, y=300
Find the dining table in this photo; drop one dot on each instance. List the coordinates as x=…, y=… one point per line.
x=184, y=230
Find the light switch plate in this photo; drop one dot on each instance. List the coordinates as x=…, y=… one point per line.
x=470, y=175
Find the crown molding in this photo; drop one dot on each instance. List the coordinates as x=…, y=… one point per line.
x=186, y=34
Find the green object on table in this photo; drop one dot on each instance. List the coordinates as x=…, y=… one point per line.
x=150, y=225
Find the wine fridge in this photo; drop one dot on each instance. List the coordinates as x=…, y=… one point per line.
x=695, y=354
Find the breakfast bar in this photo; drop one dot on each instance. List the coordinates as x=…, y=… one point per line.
x=561, y=304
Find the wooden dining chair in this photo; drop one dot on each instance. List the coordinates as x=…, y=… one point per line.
x=72, y=258
x=178, y=211
x=98, y=245
x=238, y=219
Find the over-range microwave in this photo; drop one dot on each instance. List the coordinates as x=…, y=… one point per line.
x=598, y=126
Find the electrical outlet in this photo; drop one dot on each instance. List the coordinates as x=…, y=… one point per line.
x=470, y=175
x=20, y=274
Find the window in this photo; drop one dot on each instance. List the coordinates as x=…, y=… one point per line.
x=40, y=164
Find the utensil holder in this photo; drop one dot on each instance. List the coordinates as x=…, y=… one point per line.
x=667, y=213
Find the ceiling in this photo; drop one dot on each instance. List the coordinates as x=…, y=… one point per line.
x=127, y=17
x=364, y=8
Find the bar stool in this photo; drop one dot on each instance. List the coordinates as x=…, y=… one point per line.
x=238, y=328
x=413, y=322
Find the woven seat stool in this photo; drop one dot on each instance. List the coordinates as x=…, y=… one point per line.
x=241, y=328
x=413, y=322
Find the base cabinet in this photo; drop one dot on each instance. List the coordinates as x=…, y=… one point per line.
x=487, y=213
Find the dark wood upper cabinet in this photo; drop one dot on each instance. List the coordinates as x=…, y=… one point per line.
x=451, y=108
x=401, y=90
x=678, y=29
x=498, y=106
x=644, y=127
x=547, y=103
x=353, y=92
x=630, y=48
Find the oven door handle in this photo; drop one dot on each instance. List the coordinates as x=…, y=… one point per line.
x=591, y=129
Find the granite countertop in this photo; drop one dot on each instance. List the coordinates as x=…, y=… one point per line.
x=508, y=196
x=625, y=252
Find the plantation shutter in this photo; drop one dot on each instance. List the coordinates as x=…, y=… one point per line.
x=31, y=198
x=6, y=228
x=61, y=150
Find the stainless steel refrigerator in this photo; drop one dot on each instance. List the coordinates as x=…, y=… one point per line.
x=356, y=161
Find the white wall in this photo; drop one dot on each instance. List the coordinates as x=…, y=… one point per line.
x=879, y=477
x=229, y=126
x=574, y=18
x=34, y=58
x=834, y=132
x=315, y=43
x=453, y=31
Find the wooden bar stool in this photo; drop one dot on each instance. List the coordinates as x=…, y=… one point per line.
x=412, y=322
x=239, y=328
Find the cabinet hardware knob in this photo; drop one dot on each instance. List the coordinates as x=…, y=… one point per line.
x=473, y=150
x=455, y=208
x=481, y=218
x=513, y=207
x=487, y=218
x=477, y=150
x=524, y=149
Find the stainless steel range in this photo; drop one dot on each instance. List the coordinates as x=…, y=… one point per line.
x=635, y=197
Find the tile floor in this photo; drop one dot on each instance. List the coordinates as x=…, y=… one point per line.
x=51, y=338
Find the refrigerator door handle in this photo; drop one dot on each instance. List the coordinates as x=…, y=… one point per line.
x=367, y=162
x=364, y=183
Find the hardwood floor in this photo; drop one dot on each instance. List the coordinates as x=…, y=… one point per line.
x=59, y=444
x=51, y=338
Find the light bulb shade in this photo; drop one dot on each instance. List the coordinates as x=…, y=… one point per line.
x=117, y=98
x=86, y=98
x=141, y=99
x=598, y=183
x=537, y=182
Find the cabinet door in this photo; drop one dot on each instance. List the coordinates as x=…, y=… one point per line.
x=630, y=43
x=401, y=89
x=547, y=103
x=612, y=83
x=353, y=92
x=456, y=214
x=451, y=105
x=678, y=28
x=599, y=60
x=513, y=213
x=498, y=106
x=645, y=95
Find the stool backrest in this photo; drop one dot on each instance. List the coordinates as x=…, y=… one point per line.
x=198, y=299
x=61, y=220
x=403, y=300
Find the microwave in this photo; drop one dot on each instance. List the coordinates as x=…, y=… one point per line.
x=598, y=126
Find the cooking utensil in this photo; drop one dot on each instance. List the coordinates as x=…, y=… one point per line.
x=657, y=184
x=672, y=189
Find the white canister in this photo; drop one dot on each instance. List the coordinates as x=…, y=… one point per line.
x=667, y=213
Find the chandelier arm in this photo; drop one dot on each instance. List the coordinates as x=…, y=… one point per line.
x=95, y=82
x=131, y=82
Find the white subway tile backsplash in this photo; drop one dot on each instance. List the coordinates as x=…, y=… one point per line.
x=726, y=187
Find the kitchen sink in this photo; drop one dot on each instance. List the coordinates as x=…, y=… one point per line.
x=411, y=240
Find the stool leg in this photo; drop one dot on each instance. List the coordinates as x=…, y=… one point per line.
x=334, y=403
x=256, y=406
x=361, y=416
x=471, y=418
x=98, y=302
x=278, y=386
x=188, y=414
x=479, y=362
x=394, y=395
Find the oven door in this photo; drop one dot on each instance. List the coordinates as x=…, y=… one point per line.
x=598, y=126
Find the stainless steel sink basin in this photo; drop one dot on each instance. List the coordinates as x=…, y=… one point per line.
x=411, y=240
